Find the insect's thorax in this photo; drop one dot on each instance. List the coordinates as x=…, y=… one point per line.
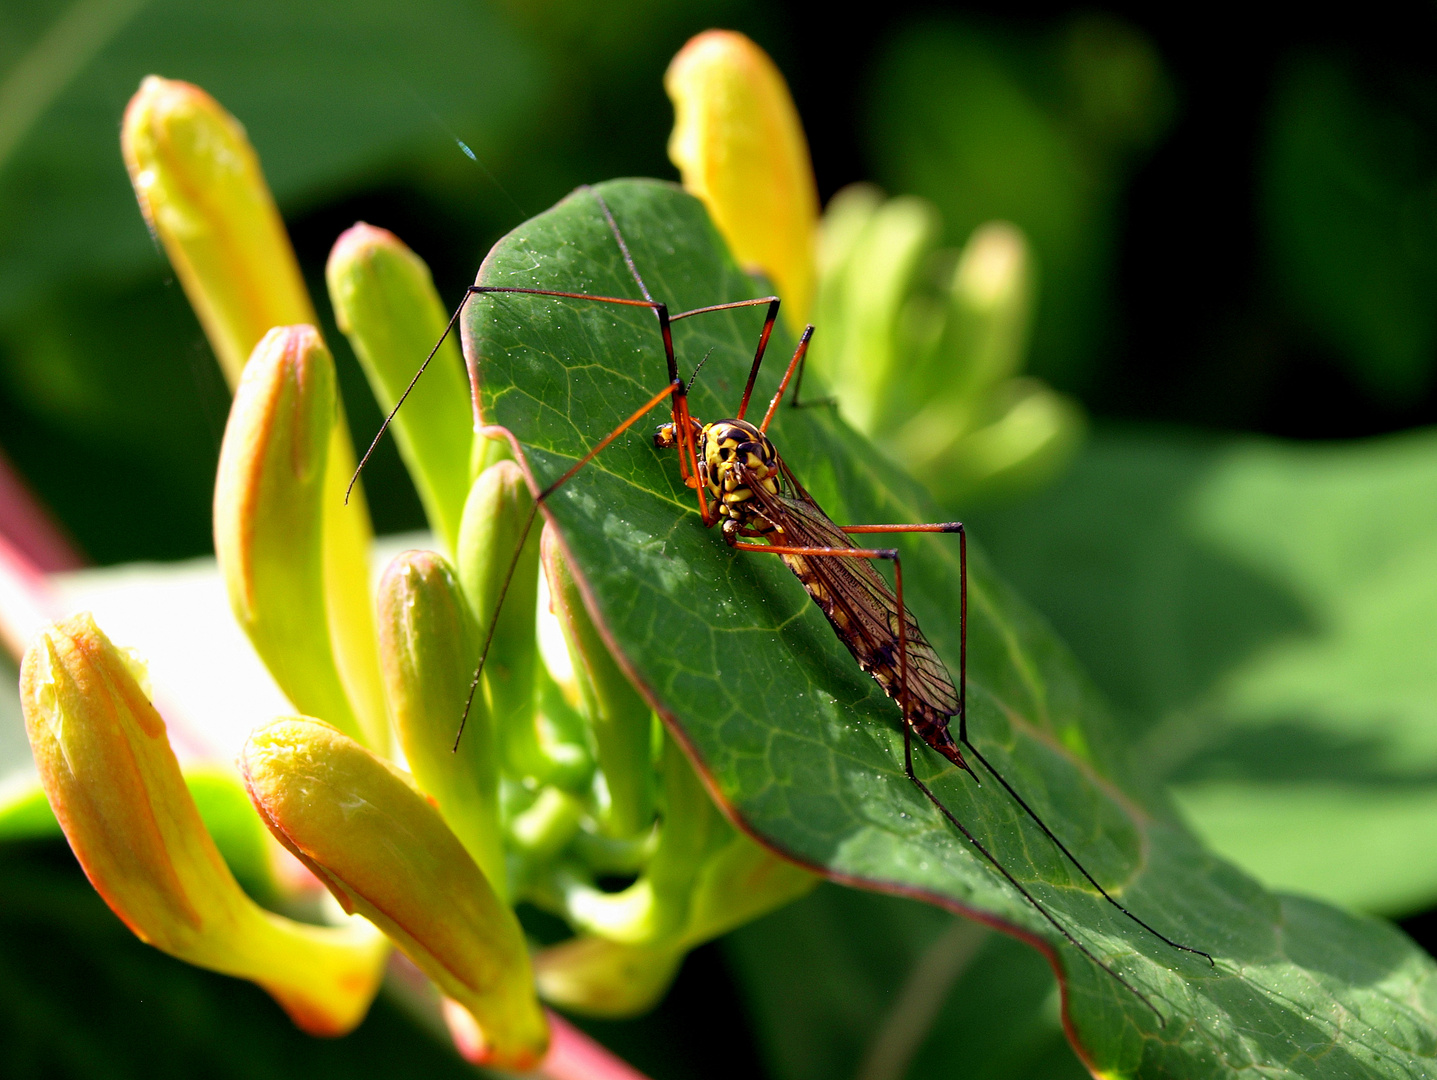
x=733, y=455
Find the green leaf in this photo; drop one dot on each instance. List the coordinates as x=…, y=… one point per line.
x=805, y=750
x=1346, y=165
x=1263, y=613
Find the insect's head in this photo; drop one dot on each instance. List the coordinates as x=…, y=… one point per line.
x=666, y=436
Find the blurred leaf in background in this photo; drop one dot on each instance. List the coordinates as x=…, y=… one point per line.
x=1041, y=130
x=1263, y=615
x=1348, y=197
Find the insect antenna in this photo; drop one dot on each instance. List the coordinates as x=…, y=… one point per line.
x=1028, y=896
x=963, y=738
x=494, y=620
x=404, y=396
x=694, y=377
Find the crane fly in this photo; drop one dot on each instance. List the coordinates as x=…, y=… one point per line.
x=743, y=485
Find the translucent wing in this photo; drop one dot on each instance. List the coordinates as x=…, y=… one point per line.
x=858, y=602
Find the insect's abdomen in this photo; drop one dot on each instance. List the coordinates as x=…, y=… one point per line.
x=880, y=661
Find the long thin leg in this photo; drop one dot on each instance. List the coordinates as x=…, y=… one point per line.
x=598, y=447
x=768, y=321
x=660, y=310
x=892, y=555
x=957, y=526
x=798, y=355
x=795, y=403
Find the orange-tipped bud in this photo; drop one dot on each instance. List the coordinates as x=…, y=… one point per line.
x=115, y=786
x=384, y=851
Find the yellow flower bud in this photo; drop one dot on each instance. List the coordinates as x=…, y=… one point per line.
x=384, y=852
x=201, y=190
x=115, y=786
x=739, y=146
x=203, y=195
x=269, y=516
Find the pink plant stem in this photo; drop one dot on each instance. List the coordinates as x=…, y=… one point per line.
x=575, y=1056
x=27, y=602
x=30, y=528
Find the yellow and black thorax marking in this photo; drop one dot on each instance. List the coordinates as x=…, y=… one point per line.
x=733, y=455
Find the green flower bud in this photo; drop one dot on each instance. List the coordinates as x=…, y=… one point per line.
x=498, y=511
x=202, y=192
x=384, y=301
x=655, y=908
x=107, y=768
x=598, y=977
x=621, y=720
x=384, y=851
x=428, y=649
x=871, y=264
x=269, y=517
x=992, y=301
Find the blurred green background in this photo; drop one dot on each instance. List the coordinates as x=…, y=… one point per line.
x=1234, y=221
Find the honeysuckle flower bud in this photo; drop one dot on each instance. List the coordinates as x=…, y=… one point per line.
x=384, y=851
x=864, y=298
x=619, y=717
x=269, y=516
x=599, y=976
x=739, y=146
x=428, y=649
x=993, y=291
x=385, y=302
x=1030, y=432
x=115, y=786
x=655, y=908
x=496, y=513
x=200, y=187
x=203, y=195
x=981, y=424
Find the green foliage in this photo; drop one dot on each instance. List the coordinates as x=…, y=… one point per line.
x=804, y=748
x=1351, y=221
x=100, y=359
x=1262, y=614
x=1037, y=131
